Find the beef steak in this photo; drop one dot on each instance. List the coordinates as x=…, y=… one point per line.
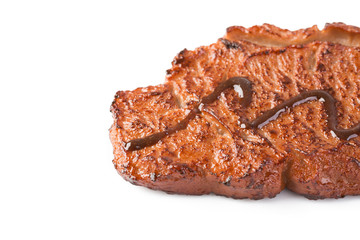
x=215, y=151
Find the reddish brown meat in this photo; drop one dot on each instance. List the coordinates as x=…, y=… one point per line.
x=215, y=154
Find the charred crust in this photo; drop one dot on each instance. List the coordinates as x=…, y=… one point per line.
x=321, y=67
x=182, y=52
x=180, y=57
x=326, y=51
x=230, y=45
x=286, y=80
x=267, y=52
x=178, y=60
x=253, y=182
x=155, y=93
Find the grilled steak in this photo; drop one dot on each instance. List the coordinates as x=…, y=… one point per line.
x=210, y=129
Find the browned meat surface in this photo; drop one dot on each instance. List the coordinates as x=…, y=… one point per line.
x=215, y=153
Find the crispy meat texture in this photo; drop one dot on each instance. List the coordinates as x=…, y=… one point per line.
x=215, y=154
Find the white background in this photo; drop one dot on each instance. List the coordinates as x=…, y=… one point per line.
x=61, y=63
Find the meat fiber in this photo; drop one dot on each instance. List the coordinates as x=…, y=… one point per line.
x=215, y=153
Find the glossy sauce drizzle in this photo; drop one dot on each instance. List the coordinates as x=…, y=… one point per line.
x=261, y=121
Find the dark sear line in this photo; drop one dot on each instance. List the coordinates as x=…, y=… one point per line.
x=261, y=121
